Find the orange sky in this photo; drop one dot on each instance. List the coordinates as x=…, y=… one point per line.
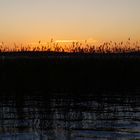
x=93, y=20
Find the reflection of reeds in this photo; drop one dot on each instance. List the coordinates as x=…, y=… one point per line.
x=106, y=47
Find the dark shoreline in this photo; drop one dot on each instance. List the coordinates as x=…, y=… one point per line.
x=69, y=73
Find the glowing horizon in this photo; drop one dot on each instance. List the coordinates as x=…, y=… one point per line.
x=69, y=20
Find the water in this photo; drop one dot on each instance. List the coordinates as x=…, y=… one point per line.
x=98, y=117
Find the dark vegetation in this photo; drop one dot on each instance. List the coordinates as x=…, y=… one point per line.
x=51, y=72
x=75, y=47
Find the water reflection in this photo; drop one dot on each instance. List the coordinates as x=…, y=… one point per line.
x=69, y=118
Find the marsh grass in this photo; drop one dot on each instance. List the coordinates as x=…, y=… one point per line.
x=75, y=47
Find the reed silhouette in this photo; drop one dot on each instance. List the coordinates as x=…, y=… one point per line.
x=68, y=69
x=52, y=46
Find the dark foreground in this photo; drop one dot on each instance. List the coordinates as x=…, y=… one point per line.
x=57, y=96
x=69, y=73
x=113, y=117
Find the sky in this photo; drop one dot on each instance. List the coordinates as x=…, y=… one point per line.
x=94, y=20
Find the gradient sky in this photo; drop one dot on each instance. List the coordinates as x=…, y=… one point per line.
x=32, y=20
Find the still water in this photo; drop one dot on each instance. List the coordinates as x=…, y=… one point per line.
x=94, y=117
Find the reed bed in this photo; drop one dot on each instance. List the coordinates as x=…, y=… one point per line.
x=75, y=47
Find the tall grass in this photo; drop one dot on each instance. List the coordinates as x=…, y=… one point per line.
x=74, y=47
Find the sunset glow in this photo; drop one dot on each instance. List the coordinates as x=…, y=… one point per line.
x=66, y=41
x=80, y=41
x=69, y=20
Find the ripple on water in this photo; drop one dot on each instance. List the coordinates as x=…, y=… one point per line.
x=69, y=118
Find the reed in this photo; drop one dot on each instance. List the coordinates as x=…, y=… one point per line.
x=75, y=47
